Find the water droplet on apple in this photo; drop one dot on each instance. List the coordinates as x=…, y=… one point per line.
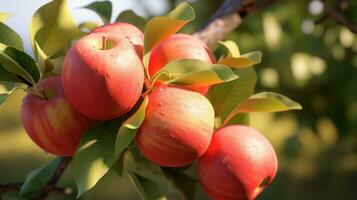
x=161, y=89
x=173, y=136
x=224, y=161
x=162, y=103
x=162, y=112
x=114, y=55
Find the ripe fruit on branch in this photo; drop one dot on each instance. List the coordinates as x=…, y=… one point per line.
x=102, y=75
x=126, y=30
x=239, y=163
x=52, y=123
x=177, y=128
x=180, y=46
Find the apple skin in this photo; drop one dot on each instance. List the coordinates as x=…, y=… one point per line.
x=54, y=125
x=237, y=161
x=102, y=84
x=127, y=30
x=180, y=46
x=178, y=127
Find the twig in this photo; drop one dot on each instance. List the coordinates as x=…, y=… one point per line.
x=51, y=184
x=227, y=18
x=332, y=13
x=8, y=187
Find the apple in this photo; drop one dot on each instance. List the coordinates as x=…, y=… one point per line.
x=238, y=164
x=127, y=30
x=180, y=46
x=102, y=75
x=52, y=123
x=178, y=127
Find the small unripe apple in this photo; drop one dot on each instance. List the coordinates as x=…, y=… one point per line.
x=52, y=123
x=177, y=128
x=102, y=75
x=127, y=30
x=176, y=47
x=238, y=165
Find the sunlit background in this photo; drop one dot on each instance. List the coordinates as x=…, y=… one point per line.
x=315, y=65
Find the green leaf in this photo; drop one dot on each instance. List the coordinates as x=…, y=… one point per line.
x=9, y=37
x=44, y=62
x=128, y=129
x=265, y=102
x=4, y=17
x=146, y=188
x=131, y=17
x=226, y=96
x=184, y=184
x=25, y=61
x=160, y=28
x=88, y=26
x=241, y=118
x=95, y=155
x=52, y=28
x=103, y=9
x=10, y=77
x=243, y=61
x=5, y=94
x=19, y=63
x=38, y=178
x=118, y=167
x=140, y=165
x=194, y=72
x=233, y=49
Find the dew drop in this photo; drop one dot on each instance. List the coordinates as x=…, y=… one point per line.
x=114, y=55
x=224, y=161
x=173, y=136
x=161, y=103
x=162, y=112
x=161, y=89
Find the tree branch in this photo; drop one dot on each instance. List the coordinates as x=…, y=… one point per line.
x=338, y=16
x=9, y=187
x=50, y=185
x=227, y=18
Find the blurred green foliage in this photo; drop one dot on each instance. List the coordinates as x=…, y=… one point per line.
x=316, y=65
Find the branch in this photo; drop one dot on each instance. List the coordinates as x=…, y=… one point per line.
x=338, y=16
x=9, y=187
x=50, y=185
x=227, y=18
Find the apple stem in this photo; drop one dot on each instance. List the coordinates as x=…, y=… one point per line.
x=104, y=43
x=43, y=93
x=37, y=92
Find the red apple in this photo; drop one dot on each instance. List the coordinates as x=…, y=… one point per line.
x=180, y=46
x=53, y=124
x=102, y=83
x=177, y=128
x=238, y=165
x=127, y=30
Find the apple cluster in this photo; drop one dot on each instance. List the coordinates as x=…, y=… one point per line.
x=103, y=78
